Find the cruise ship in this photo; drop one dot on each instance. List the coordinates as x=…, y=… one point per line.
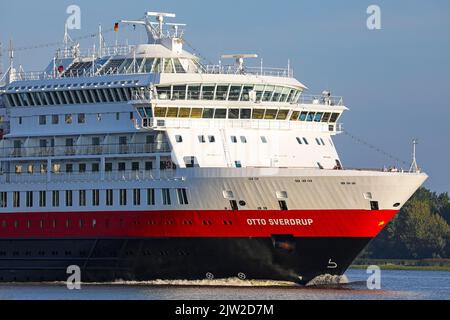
x=141, y=162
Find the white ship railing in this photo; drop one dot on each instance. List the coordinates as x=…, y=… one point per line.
x=84, y=150
x=65, y=177
x=234, y=69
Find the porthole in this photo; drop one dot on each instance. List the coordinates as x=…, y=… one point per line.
x=397, y=205
x=242, y=203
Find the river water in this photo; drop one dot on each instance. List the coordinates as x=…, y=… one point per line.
x=395, y=285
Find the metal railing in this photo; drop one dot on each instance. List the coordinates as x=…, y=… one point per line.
x=234, y=69
x=321, y=100
x=68, y=177
x=84, y=150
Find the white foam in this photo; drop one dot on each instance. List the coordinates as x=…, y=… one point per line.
x=327, y=280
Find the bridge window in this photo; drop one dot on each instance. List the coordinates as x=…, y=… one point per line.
x=271, y=114
x=235, y=93
x=194, y=92
x=184, y=113
x=179, y=92
x=196, y=113
x=299, y=140
x=326, y=117
x=208, y=92
x=268, y=92
x=246, y=93
x=160, y=112
x=172, y=112
x=243, y=139
x=263, y=139
x=305, y=141
x=211, y=139
x=310, y=116
x=220, y=114
x=303, y=116
x=179, y=139
x=318, y=117
x=258, y=114
x=294, y=116
x=234, y=139
x=222, y=93
x=334, y=117
x=201, y=139
x=246, y=113
x=208, y=113
x=233, y=113
x=282, y=114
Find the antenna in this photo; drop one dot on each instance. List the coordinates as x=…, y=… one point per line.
x=414, y=166
x=240, y=60
x=155, y=30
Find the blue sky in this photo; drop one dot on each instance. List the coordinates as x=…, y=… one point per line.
x=395, y=80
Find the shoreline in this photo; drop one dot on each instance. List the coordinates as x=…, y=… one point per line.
x=394, y=264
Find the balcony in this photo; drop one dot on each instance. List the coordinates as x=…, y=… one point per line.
x=84, y=150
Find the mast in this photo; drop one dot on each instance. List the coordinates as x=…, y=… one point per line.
x=414, y=166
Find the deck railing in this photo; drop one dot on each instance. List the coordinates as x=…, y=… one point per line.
x=84, y=150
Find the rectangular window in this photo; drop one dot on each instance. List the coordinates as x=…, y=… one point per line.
x=246, y=113
x=55, y=119
x=42, y=120
x=148, y=166
x=42, y=199
x=151, y=197
x=3, y=200
x=69, y=200
x=233, y=139
x=95, y=198
x=69, y=168
x=68, y=119
x=81, y=118
x=137, y=197
x=29, y=199
x=55, y=199
x=82, y=198
x=182, y=196
x=201, y=139
x=233, y=113
x=123, y=197
x=16, y=199
x=95, y=167
x=82, y=168
x=135, y=166
x=243, y=139
x=108, y=167
x=109, y=197
x=220, y=114
x=122, y=166
x=166, y=197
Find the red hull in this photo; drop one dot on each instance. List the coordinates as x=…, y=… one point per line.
x=195, y=224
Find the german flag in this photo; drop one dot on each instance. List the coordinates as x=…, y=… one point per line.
x=116, y=27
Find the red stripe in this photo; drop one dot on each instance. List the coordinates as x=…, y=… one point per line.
x=305, y=223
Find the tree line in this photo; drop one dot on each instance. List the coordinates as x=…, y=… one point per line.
x=420, y=231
